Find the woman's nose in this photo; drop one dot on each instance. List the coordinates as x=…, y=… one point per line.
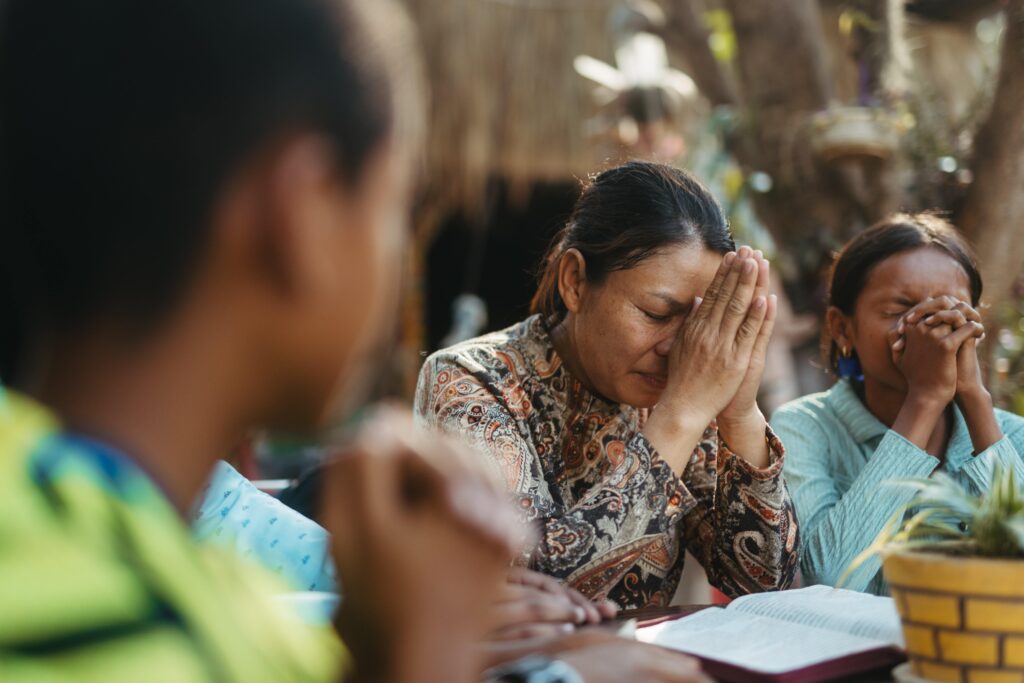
x=665, y=345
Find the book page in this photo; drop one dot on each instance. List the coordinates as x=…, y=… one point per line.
x=825, y=607
x=752, y=642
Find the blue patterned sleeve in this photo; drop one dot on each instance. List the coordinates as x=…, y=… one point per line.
x=233, y=513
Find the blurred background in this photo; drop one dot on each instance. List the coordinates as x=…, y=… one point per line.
x=809, y=119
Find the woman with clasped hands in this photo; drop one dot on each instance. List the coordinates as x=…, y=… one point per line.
x=903, y=334
x=622, y=413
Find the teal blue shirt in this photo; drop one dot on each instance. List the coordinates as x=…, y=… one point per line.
x=839, y=457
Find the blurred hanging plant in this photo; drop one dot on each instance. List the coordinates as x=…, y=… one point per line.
x=851, y=19
x=951, y=520
x=721, y=37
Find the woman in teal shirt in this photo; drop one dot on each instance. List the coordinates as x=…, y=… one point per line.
x=903, y=333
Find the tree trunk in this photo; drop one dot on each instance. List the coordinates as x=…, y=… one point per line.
x=782, y=80
x=686, y=34
x=993, y=211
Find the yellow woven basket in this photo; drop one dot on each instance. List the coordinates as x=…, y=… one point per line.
x=963, y=617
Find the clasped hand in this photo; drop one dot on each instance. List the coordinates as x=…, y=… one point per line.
x=935, y=346
x=716, y=363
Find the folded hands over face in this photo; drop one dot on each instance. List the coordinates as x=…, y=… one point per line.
x=935, y=346
x=716, y=363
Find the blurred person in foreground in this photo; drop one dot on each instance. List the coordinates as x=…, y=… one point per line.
x=191, y=192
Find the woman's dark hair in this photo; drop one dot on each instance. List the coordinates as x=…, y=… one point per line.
x=626, y=214
x=896, y=234
x=121, y=121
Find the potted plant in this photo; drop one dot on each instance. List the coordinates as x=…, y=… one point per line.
x=956, y=572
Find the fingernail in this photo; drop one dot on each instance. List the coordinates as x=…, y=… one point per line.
x=748, y=266
x=729, y=258
x=759, y=303
x=581, y=615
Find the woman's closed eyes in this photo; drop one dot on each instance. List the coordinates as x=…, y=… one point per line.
x=656, y=317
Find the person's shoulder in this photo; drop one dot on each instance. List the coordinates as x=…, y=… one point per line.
x=487, y=352
x=810, y=409
x=61, y=527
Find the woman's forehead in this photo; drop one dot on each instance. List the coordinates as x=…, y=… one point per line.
x=918, y=275
x=670, y=269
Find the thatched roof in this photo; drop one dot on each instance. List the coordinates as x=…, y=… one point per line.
x=505, y=98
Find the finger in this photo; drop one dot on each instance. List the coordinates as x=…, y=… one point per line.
x=341, y=506
x=927, y=307
x=513, y=592
x=723, y=297
x=954, y=318
x=764, y=336
x=968, y=311
x=519, y=576
x=548, y=586
x=750, y=329
x=955, y=340
x=444, y=474
x=529, y=577
x=537, y=608
x=763, y=275
x=940, y=331
x=608, y=609
x=704, y=311
x=897, y=342
x=591, y=612
x=476, y=508
x=732, y=310
x=434, y=477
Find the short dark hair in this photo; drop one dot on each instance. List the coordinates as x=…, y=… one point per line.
x=626, y=214
x=121, y=121
x=900, y=232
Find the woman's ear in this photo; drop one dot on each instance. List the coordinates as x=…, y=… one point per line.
x=572, y=279
x=840, y=328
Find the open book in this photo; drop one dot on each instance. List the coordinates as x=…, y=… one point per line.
x=798, y=636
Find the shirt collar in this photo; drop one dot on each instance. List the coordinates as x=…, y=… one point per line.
x=852, y=412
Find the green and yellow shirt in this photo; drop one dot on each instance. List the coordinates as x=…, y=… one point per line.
x=101, y=579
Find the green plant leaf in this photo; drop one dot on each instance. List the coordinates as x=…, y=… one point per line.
x=949, y=519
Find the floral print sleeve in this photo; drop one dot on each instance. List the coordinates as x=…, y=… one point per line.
x=613, y=518
x=742, y=525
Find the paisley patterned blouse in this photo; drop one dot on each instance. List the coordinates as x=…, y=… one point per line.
x=613, y=517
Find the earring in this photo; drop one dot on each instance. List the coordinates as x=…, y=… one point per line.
x=849, y=365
